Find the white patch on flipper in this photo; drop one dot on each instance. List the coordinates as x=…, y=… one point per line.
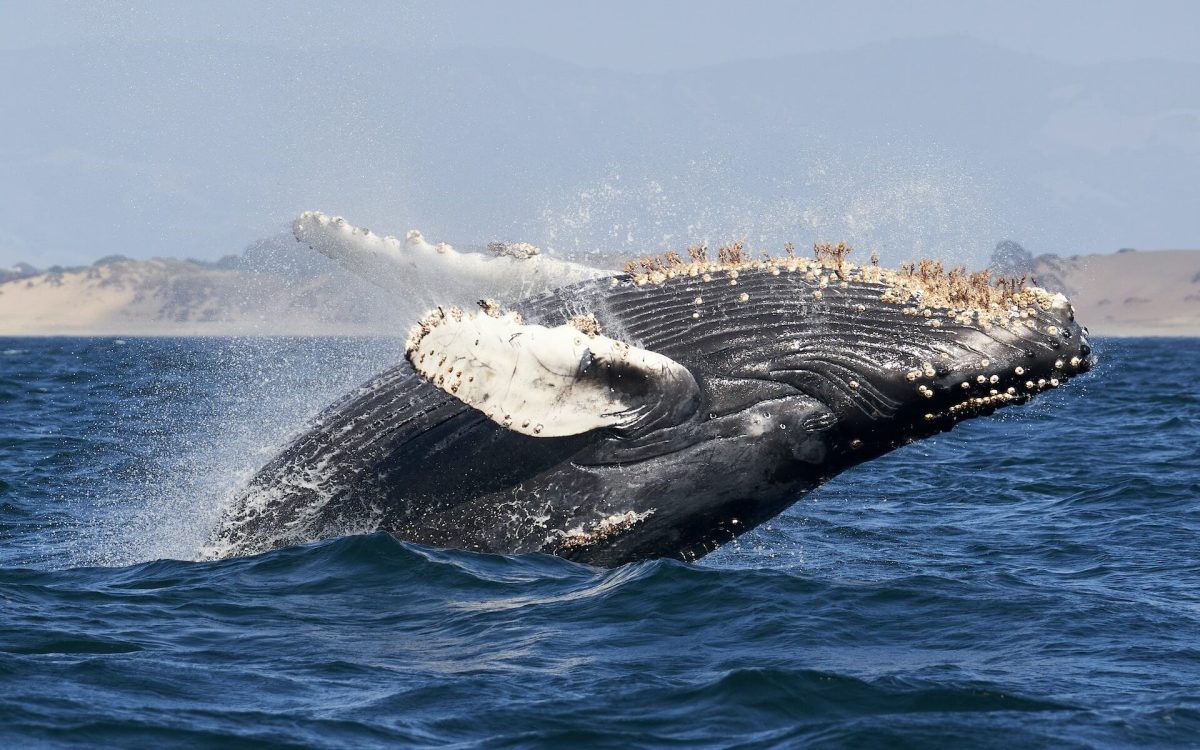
x=539, y=381
x=401, y=265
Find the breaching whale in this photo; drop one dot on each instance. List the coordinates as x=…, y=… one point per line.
x=658, y=412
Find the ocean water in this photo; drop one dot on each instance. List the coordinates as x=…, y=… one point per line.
x=1027, y=580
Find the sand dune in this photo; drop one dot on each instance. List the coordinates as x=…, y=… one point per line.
x=183, y=298
x=1143, y=293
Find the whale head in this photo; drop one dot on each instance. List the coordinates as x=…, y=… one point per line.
x=808, y=367
x=893, y=355
x=938, y=363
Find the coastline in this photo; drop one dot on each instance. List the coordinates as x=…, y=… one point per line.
x=1132, y=294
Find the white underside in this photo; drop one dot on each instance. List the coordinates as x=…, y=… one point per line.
x=530, y=378
x=413, y=263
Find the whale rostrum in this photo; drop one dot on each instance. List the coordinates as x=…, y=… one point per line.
x=659, y=412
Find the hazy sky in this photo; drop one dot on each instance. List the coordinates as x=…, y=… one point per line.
x=628, y=35
x=141, y=131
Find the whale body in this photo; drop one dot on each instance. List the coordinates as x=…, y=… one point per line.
x=660, y=412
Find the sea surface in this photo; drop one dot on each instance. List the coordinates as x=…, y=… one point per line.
x=1028, y=580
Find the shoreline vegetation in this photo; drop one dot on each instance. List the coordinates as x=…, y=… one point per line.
x=272, y=289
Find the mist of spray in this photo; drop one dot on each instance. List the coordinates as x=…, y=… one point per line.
x=902, y=208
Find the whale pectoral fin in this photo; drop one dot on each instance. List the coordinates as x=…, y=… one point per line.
x=549, y=382
x=387, y=262
x=404, y=265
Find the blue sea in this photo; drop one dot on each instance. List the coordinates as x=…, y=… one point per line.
x=1028, y=580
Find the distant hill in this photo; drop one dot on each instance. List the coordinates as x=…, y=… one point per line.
x=1131, y=293
x=280, y=287
x=275, y=287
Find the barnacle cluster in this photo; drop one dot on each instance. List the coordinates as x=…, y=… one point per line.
x=985, y=385
x=926, y=288
x=601, y=530
x=586, y=324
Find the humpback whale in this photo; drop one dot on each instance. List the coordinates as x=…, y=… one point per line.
x=661, y=411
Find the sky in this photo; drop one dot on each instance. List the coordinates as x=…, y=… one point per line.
x=100, y=162
x=635, y=36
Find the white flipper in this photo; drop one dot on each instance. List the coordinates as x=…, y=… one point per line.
x=405, y=265
x=549, y=382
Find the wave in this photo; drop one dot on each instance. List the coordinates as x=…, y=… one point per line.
x=657, y=651
x=1026, y=581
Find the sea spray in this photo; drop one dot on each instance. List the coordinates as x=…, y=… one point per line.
x=905, y=207
x=213, y=411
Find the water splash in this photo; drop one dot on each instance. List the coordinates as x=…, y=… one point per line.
x=197, y=423
x=903, y=208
